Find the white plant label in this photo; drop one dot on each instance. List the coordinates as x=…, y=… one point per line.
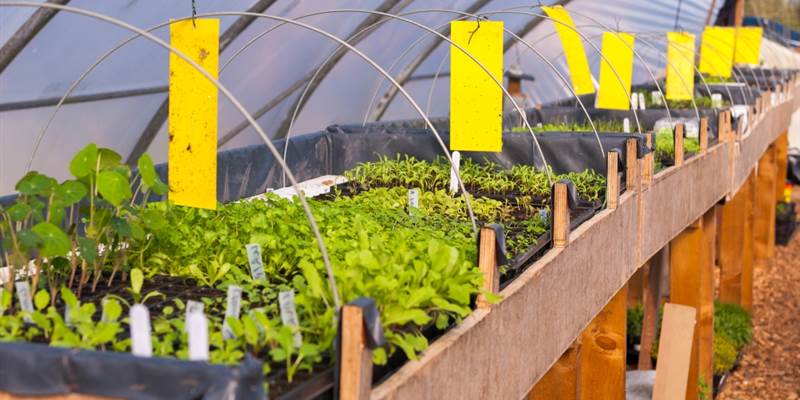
x=543, y=214
x=655, y=97
x=454, y=171
x=634, y=101
x=626, y=125
x=2, y=306
x=256, y=263
x=716, y=100
x=642, y=103
x=289, y=315
x=232, y=309
x=192, y=307
x=140, y=331
x=197, y=327
x=68, y=320
x=413, y=199
x=25, y=300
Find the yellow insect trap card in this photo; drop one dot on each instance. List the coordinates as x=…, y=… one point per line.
x=716, y=51
x=680, y=66
x=574, y=52
x=615, y=88
x=748, y=45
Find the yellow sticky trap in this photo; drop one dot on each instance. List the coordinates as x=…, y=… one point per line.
x=716, y=51
x=574, y=52
x=748, y=45
x=476, y=100
x=680, y=66
x=193, y=114
x=615, y=88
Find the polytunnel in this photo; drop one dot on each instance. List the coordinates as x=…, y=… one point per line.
x=127, y=100
x=399, y=199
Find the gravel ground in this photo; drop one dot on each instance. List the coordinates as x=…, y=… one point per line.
x=770, y=367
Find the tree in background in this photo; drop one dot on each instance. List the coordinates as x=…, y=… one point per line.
x=786, y=12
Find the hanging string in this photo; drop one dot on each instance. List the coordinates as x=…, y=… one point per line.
x=472, y=33
x=678, y=15
x=194, y=13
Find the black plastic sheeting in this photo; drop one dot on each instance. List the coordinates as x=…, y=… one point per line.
x=793, y=167
x=38, y=370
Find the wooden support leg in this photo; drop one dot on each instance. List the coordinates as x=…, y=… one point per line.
x=636, y=286
x=561, y=381
x=748, y=244
x=781, y=161
x=601, y=362
x=692, y=284
x=674, y=353
x=764, y=207
x=651, y=300
x=732, y=233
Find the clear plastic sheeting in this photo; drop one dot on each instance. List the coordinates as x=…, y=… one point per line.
x=275, y=69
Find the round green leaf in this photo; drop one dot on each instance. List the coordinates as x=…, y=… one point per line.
x=71, y=192
x=41, y=299
x=150, y=177
x=88, y=249
x=113, y=187
x=54, y=241
x=109, y=159
x=35, y=183
x=28, y=239
x=84, y=161
x=19, y=211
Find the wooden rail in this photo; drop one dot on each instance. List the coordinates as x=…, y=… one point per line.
x=503, y=351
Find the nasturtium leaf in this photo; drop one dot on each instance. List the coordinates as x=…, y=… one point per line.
x=19, y=211
x=71, y=192
x=150, y=178
x=137, y=280
x=34, y=183
x=54, y=241
x=108, y=159
x=84, y=162
x=121, y=227
x=88, y=249
x=41, y=299
x=28, y=239
x=113, y=187
x=55, y=212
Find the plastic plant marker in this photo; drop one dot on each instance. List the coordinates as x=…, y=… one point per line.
x=626, y=125
x=256, y=264
x=289, y=315
x=413, y=199
x=193, y=114
x=197, y=328
x=456, y=156
x=716, y=51
x=140, y=331
x=642, y=103
x=575, y=54
x=748, y=45
x=25, y=299
x=615, y=88
x=476, y=100
x=192, y=306
x=680, y=66
x=232, y=309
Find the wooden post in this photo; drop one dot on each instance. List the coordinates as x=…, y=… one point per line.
x=703, y=135
x=677, y=140
x=560, y=211
x=647, y=178
x=748, y=245
x=732, y=233
x=764, y=208
x=651, y=299
x=601, y=362
x=355, y=376
x=561, y=380
x=781, y=161
x=674, y=354
x=487, y=262
x=631, y=165
x=635, y=286
x=612, y=180
x=692, y=284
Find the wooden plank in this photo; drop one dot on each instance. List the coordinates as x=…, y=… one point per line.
x=560, y=215
x=612, y=180
x=487, y=263
x=781, y=161
x=674, y=353
x=561, y=381
x=686, y=253
x=703, y=134
x=677, y=141
x=355, y=377
x=601, y=361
